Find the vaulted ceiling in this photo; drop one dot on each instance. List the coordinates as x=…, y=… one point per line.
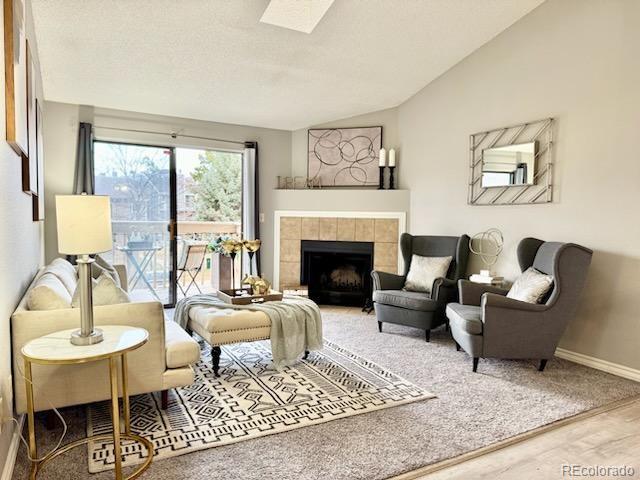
x=214, y=60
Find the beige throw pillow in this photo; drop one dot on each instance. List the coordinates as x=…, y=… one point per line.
x=531, y=286
x=423, y=272
x=48, y=293
x=105, y=292
x=101, y=266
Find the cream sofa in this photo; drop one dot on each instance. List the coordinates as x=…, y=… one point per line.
x=163, y=363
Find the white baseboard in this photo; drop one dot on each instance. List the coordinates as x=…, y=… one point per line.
x=609, y=367
x=7, y=472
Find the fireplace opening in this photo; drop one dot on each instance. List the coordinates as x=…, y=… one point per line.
x=337, y=273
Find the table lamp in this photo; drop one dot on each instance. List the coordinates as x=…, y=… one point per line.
x=84, y=228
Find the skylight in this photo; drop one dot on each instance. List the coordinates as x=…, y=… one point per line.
x=299, y=15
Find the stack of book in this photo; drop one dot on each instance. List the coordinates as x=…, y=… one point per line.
x=487, y=279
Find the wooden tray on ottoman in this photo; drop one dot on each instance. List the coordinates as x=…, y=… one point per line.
x=244, y=296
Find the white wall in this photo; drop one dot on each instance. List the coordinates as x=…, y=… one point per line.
x=60, y=140
x=274, y=149
x=20, y=250
x=342, y=200
x=577, y=61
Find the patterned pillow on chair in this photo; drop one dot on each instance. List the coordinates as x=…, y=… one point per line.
x=424, y=270
x=531, y=286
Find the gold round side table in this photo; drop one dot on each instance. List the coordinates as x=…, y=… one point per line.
x=56, y=349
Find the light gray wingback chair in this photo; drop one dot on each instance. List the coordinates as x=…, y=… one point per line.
x=416, y=309
x=488, y=324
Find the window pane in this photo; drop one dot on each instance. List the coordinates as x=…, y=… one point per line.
x=209, y=189
x=137, y=180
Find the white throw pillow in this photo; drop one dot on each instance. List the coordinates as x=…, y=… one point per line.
x=423, y=272
x=65, y=264
x=101, y=266
x=105, y=292
x=48, y=293
x=531, y=286
x=65, y=272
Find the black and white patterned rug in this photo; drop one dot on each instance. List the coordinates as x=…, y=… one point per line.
x=251, y=399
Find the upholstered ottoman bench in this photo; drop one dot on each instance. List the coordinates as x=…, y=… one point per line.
x=226, y=326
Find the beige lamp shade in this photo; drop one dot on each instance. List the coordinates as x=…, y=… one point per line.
x=84, y=224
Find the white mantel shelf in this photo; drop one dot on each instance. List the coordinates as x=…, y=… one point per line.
x=334, y=189
x=338, y=199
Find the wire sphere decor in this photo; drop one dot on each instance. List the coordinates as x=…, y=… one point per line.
x=487, y=245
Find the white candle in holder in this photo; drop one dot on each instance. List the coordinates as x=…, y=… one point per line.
x=383, y=157
x=392, y=158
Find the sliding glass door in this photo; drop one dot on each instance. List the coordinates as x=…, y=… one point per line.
x=209, y=200
x=168, y=204
x=140, y=179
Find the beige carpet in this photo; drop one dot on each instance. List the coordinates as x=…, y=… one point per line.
x=251, y=399
x=471, y=410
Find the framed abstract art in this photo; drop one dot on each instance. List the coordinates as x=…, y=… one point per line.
x=30, y=160
x=344, y=157
x=38, y=200
x=15, y=65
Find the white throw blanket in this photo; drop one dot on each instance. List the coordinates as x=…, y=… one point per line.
x=296, y=323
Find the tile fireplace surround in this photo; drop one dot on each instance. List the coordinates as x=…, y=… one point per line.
x=381, y=228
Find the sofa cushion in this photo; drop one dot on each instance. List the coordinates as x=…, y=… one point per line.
x=65, y=272
x=180, y=348
x=467, y=318
x=48, y=293
x=404, y=299
x=140, y=295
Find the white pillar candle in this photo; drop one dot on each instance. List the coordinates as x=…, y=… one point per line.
x=392, y=158
x=383, y=157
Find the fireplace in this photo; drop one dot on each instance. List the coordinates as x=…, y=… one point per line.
x=336, y=272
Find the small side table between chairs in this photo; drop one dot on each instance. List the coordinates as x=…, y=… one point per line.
x=56, y=349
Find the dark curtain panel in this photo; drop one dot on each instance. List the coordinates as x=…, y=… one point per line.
x=84, y=181
x=250, y=196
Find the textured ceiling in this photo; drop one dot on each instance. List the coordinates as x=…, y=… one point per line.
x=214, y=60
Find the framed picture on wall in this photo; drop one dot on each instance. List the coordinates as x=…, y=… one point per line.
x=15, y=66
x=30, y=161
x=38, y=199
x=344, y=157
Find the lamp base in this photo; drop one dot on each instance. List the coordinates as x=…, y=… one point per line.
x=94, y=337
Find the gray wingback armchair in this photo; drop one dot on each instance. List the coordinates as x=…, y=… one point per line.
x=417, y=309
x=488, y=324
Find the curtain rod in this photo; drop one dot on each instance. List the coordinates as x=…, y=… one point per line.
x=172, y=134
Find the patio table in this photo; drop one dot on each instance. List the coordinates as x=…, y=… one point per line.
x=148, y=252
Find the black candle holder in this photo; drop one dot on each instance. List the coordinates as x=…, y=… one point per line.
x=233, y=269
x=381, y=185
x=391, y=185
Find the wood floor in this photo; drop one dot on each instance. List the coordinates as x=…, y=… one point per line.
x=611, y=438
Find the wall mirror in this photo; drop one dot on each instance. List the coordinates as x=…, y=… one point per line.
x=509, y=165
